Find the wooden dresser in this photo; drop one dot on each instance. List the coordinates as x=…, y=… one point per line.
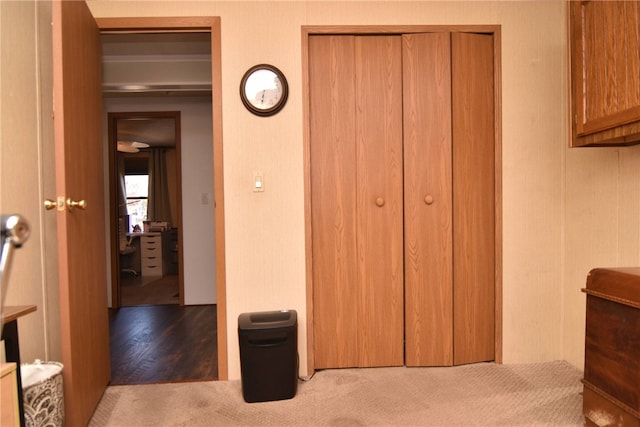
x=612, y=348
x=9, y=396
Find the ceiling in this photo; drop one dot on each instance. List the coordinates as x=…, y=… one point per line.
x=157, y=65
x=157, y=132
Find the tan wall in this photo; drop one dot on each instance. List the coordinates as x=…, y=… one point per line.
x=26, y=170
x=270, y=226
x=564, y=211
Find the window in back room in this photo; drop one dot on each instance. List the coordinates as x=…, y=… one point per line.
x=137, y=191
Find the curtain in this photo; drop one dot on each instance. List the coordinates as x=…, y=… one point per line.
x=122, y=204
x=158, y=207
x=122, y=189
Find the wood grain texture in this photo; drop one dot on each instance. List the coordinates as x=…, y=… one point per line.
x=356, y=156
x=218, y=190
x=379, y=223
x=82, y=261
x=612, y=337
x=163, y=343
x=611, y=364
x=599, y=410
x=333, y=187
x=427, y=173
x=605, y=65
x=157, y=24
x=473, y=197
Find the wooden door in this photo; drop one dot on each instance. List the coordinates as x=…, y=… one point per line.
x=356, y=150
x=380, y=259
x=428, y=199
x=81, y=238
x=473, y=197
x=445, y=102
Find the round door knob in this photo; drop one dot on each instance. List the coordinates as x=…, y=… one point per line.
x=428, y=199
x=50, y=204
x=380, y=202
x=72, y=204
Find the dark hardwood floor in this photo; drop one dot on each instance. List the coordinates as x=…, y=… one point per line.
x=139, y=290
x=163, y=343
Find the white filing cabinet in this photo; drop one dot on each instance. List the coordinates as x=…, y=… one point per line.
x=151, y=253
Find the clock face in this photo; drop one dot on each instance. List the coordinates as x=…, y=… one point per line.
x=263, y=90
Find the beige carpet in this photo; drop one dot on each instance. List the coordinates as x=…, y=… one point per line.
x=486, y=394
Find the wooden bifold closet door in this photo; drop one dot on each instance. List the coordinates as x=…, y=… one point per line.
x=356, y=121
x=402, y=199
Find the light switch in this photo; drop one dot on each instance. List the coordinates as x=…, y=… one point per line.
x=258, y=182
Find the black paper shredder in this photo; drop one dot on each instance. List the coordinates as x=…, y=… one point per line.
x=268, y=355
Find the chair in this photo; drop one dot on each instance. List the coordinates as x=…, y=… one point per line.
x=126, y=250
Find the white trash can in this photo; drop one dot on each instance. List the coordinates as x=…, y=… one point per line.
x=43, y=394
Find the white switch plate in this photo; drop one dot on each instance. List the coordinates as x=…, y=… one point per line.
x=258, y=182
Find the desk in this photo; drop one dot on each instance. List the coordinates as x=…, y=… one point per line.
x=11, y=345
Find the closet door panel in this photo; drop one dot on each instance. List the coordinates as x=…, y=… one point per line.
x=379, y=199
x=473, y=197
x=333, y=188
x=427, y=204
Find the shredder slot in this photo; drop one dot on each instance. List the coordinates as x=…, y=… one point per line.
x=268, y=342
x=270, y=317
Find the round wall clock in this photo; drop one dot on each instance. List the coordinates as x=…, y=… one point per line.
x=264, y=90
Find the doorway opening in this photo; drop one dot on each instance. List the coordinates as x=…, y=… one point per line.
x=146, y=204
x=194, y=90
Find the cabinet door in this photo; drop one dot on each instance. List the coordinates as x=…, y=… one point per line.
x=605, y=70
x=356, y=187
x=428, y=199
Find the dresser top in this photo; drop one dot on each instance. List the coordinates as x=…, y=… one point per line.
x=618, y=284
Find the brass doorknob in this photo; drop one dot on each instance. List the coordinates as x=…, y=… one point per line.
x=428, y=199
x=380, y=202
x=72, y=204
x=50, y=204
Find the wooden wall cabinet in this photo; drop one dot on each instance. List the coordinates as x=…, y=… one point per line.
x=605, y=72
